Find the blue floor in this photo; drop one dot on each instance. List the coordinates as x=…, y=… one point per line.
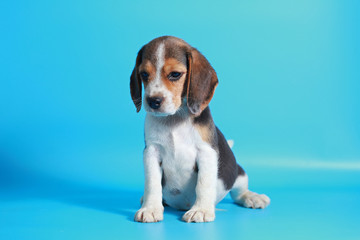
x=327, y=209
x=71, y=141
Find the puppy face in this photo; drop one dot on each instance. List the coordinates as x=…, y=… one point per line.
x=175, y=76
x=163, y=78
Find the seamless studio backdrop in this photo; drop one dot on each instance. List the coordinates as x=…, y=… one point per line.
x=71, y=141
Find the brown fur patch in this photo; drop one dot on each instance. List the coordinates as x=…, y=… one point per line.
x=174, y=65
x=205, y=126
x=176, y=87
x=148, y=67
x=205, y=132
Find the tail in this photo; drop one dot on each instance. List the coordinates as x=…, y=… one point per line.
x=231, y=143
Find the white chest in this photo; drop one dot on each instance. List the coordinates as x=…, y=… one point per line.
x=177, y=143
x=178, y=147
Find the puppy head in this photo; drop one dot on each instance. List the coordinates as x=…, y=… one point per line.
x=175, y=76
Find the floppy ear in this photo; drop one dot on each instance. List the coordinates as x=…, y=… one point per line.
x=201, y=83
x=135, y=83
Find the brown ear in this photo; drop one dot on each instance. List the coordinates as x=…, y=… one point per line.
x=202, y=81
x=135, y=83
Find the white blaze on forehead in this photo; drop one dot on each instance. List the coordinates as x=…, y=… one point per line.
x=156, y=86
x=160, y=57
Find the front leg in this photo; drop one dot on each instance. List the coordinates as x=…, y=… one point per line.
x=203, y=209
x=152, y=209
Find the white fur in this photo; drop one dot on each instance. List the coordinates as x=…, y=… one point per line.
x=231, y=143
x=221, y=191
x=179, y=148
x=152, y=209
x=244, y=197
x=203, y=209
x=160, y=57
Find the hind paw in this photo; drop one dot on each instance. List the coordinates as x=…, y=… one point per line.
x=253, y=200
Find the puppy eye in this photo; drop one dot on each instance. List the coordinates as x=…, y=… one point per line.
x=144, y=76
x=173, y=76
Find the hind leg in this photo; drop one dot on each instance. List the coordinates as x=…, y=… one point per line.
x=244, y=197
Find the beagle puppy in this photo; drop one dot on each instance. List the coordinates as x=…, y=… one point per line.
x=188, y=163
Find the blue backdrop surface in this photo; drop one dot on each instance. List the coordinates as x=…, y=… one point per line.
x=71, y=141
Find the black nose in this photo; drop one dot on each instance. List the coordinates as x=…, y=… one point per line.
x=154, y=102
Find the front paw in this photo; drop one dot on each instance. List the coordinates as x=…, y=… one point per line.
x=149, y=214
x=199, y=215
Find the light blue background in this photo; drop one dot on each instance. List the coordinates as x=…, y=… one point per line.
x=71, y=141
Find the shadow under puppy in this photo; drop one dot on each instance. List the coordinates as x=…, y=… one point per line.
x=188, y=163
